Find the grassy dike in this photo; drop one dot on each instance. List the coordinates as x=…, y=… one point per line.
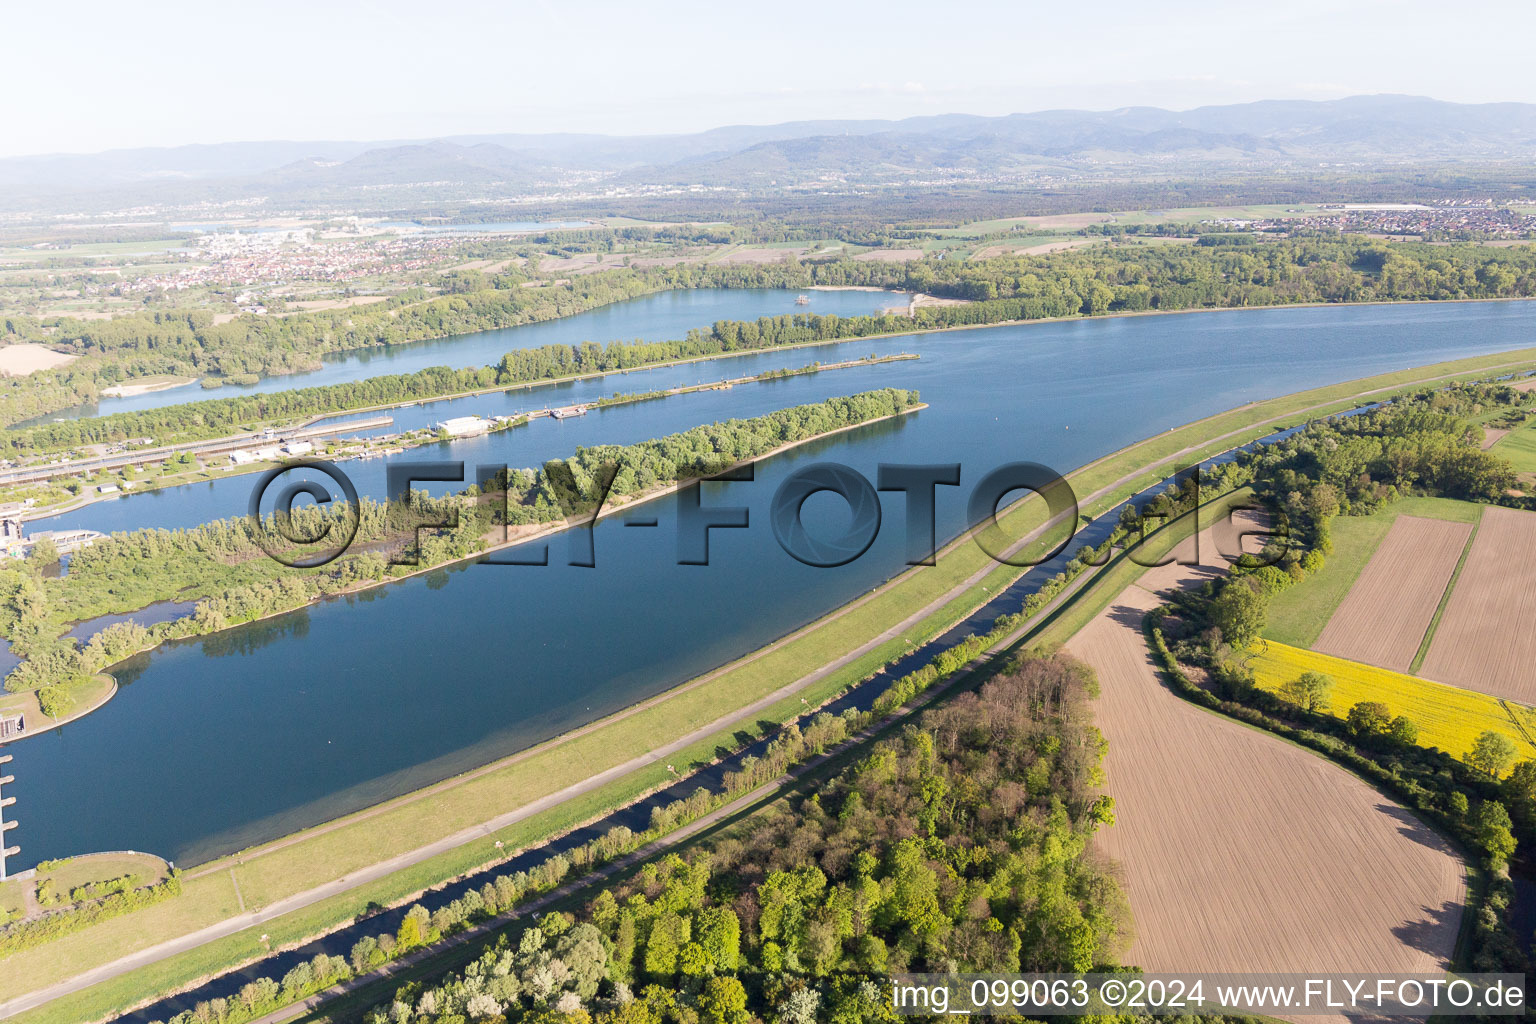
x=1047, y=627
x=289, y=866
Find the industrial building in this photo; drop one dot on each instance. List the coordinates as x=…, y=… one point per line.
x=464, y=426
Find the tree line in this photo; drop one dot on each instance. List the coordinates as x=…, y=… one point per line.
x=225, y=568
x=1097, y=280
x=962, y=844
x=1356, y=465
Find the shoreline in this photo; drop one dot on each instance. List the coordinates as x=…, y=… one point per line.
x=613, y=401
x=1125, y=314
x=550, y=529
x=1243, y=425
x=74, y=715
x=539, y=532
x=134, y=390
x=319, y=418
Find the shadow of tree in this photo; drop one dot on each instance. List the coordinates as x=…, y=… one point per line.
x=1435, y=933
x=1411, y=827
x=1126, y=615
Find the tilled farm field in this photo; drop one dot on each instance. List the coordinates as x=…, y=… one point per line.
x=1242, y=852
x=1196, y=561
x=1384, y=618
x=1487, y=637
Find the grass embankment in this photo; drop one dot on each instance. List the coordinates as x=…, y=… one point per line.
x=78, y=697
x=1122, y=571
x=1298, y=614
x=1448, y=717
x=308, y=859
x=59, y=879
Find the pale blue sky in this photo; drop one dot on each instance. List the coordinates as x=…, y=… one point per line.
x=103, y=74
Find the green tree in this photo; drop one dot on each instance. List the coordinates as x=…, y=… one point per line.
x=1491, y=825
x=53, y=701
x=668, y=935
x=1492, y=753
x=723, y=1001
x=1368, y=719
x=1519, y=788
x=1310, y=691
x=413, y=928
x=1403, y=731
x=719, y=932
x=1240, y=612
x=44, y=553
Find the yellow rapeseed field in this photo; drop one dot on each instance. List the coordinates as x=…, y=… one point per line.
x=1448, y=717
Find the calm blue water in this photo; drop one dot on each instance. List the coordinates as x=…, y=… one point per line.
x=160, y=611
x=664, y=316
x=217, y=744
x=636, y=815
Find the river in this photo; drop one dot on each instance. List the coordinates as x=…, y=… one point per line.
x=663, y=316
x=216, y=744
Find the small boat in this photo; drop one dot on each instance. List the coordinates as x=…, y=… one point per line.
x=802, y=300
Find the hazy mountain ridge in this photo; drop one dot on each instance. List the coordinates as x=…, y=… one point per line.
x=1267, y=133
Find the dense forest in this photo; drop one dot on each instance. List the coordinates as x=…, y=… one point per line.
x=224, y=565
x=960, y=844
x=1129, y=278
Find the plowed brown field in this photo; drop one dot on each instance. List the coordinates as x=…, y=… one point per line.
x=1487, y=637
x=1383, y=619
x=1242, y=852
x=1229, y=536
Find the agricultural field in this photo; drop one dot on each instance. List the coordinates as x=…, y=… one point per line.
x=1383, y=619
x=1067, y=222
x=1485, y=640
x=65, y=248
x=1032, y=245
x=1201, y=558
x=1297, y=616
x=1519, y=447
x=22, y=360
x=1024, y=225
x=1295, y=861
x=1447, y=717
x=1257, y=211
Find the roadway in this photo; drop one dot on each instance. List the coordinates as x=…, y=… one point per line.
x=214, y=446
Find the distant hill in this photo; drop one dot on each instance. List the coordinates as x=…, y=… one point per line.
x=1379, y=129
